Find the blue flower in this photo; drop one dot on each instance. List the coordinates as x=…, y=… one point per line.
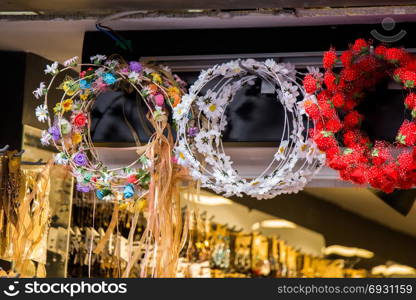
x=102, y=193
x=128, y=191
x=109, y=78
x=83, y=84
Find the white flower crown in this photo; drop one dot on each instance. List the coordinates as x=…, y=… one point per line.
x=200, y=119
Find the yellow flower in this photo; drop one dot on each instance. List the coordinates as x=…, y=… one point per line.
x=140, y=205
x=156, y=77
x=67, y=104
x=76, y=138
x=58, y=108
x=84, y=96
x=122, y=206
x=173, y=90
x=69, y=87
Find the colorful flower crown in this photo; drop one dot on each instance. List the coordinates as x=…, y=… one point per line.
x=69, y=129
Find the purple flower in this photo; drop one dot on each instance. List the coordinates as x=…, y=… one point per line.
x=135, y=66
x=54, y=131
x=83, y=188
x=193, y=131
x=80, y=159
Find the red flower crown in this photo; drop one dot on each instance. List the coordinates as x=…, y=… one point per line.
x=383, y=165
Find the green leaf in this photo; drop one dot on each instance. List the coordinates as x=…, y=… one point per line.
x=375, y=152
x=409, y=84
x=348, y=151
x=401, y=139
x=327, y=133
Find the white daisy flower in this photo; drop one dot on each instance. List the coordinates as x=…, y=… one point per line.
x=180, y=156
x=180, y=111
x=203, y=142
x=46, y=138
x=280, y=154
x=71, y=62
x=271, y=64
x=42, y=113
x=210, y=106
x=52, y=69
x=301, y=104
x=61, y=159
x=40, y=91
x=288, y=94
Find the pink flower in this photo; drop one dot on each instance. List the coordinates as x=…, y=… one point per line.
x=159, y=99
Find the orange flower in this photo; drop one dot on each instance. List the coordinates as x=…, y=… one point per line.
x=176, y=100
x=153, y=88
x=76, y=138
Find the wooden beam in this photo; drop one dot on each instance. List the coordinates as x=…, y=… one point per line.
x=94, y=5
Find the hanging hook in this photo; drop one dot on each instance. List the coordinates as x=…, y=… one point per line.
x=4, y=149
x=19, y=153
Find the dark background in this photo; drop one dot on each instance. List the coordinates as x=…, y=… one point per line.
x=253, y=117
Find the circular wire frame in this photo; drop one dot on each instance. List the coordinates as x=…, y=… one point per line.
x=201, y=120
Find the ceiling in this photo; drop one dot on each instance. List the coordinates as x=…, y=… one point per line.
x=72, y=6
x=365, y=203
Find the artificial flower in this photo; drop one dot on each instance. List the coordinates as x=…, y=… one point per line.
x=97, y=59
x=40, y=91
x=192, y=131
x=84, y=96
x=55, y=133
x=128, y=191
x=84, y=84
x=159, y=114
x=80, y=159
x=156, y=77
x=67, y=105
x=52, y=68
x=159, y=100
x=310, y=84
x=65, y=126
x=83, y=188
x=109, y=78
x=70, y=87
x=80, y=120
x=46, y=137
x=71, y=62
x=134, y=77
x=101, y=194
x=42, y=113
x=203, y=142
x=113, y=63
x=58, y=108
x=280, y=154
x=135, y=66
x=180, y=111
x=329, y=58
x=61, y=158
x=76, y=138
